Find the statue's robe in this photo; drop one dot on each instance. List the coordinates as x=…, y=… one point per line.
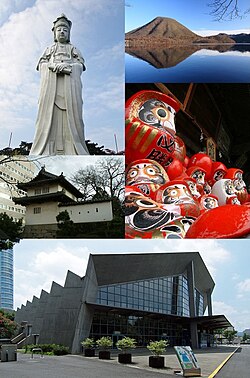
x=59, y=125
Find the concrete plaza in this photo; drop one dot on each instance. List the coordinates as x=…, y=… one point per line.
x=78, y=366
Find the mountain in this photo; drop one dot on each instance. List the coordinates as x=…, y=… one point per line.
x=240, y=38
x=164, y=30
x=162, y=27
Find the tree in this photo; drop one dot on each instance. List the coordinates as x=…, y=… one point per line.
x=10, y=231
x=229, y=334
x=105, y=179
x=218, y=334
x=66, y=227
x=226, y=10
x=7, y=324
x=245, y=337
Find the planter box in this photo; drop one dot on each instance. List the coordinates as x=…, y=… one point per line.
x=156, y=362
x=125, y=358
x=89, y=352
x=104, y=355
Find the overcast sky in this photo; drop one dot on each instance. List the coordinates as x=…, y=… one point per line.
x=39, y=262
x=194, y=14
x=97, y=31
x=68, y=165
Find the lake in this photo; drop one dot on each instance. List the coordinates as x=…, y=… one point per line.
x=185, y=64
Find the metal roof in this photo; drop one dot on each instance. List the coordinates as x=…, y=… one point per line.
x=118, y=268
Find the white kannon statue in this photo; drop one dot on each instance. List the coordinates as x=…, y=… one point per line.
x=59, y=125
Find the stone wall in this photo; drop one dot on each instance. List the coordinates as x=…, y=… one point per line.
x=40, y=231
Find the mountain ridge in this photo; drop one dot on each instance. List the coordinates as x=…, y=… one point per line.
x=169, y=31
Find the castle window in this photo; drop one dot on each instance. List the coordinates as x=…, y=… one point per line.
x=37, y=210
x=38, y=191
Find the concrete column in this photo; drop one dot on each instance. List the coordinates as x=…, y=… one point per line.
x=209, y=302
x=194, y=335
x=191, y=288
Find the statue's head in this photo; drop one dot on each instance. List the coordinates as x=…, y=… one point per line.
x=61, y=29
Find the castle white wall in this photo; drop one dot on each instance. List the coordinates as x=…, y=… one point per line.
x=94, y=212
x=45, y=213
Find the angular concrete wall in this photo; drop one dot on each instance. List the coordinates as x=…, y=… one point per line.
x=84, y=321
x=47, y=334
x=54, y=315
x=37, y=321
x=68, y=310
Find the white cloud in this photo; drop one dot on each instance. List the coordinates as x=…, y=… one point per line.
x=206, y=52
x=47, y=266
x=109, y=55
x=207, y=32
x=67, y=165
x=220, y=307
x=244, y=286
x=236, y=277
x=211, y=250
x=7, y=7
x=238, y=317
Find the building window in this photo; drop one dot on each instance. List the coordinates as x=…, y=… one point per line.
x=45, y=190
x=37, y=210
x=167, y=295
x=38, y=191
x=96, y=210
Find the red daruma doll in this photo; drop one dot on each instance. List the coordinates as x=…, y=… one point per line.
x=235, y=174
x=217, y=173
x=177, y=192
x=150, y=126
x=208, y=202
x=225, y=192
x=147, y=175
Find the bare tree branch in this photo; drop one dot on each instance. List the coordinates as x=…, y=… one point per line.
x=226, y=10
x=107, y=176
x=11, y=183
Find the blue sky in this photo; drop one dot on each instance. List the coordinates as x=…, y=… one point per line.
x=39, y=262
x=97, y=31
x=194, y=14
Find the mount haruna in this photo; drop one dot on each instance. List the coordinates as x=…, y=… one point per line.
x=169, y=32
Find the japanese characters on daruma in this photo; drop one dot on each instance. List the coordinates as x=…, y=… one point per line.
x=171, y=195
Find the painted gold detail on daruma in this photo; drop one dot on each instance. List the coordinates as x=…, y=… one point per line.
x=149, y=140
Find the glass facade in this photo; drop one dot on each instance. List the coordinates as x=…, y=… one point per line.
x=6, y=279
x=142, y=328
x=165, y=295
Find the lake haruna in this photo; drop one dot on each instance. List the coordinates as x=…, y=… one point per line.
x=185, y=64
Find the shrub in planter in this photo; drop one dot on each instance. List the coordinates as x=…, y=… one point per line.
x=157, y=348
x=89, y=347
x=50, y=349
x=60, y=350
x=125, y=345
x=104, y=343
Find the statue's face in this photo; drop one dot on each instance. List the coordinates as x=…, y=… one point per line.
x=62, y=34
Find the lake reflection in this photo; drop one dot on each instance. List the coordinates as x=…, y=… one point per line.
x=194, y=63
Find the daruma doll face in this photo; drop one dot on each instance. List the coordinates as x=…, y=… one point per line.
x=146, y=171
x=150, y=127
x=158, y=114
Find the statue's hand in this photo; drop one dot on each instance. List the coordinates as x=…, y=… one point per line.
x=62, y=68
